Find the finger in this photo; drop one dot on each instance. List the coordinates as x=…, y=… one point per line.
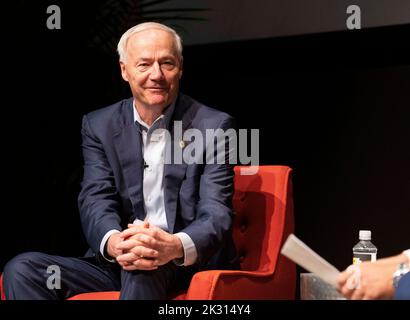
x=352, y=289
x=146, y=264
x=129, y=232
x=346, y=292
x=134, y=229
x=156, y=234
x=144, y=252
x=127, y=244
x=353, y=281
x=127, y=257
x=133, y=268
x=345, y=275
x=140, y=266
x=357, y=294
x=130, y=268
x=124, y=263
x=342, y=278
x=145, y=224
x=145, y=239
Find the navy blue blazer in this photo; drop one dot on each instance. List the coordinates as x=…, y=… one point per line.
x=198, y=197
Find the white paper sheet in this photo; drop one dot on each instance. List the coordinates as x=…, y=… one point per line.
x=301, y=254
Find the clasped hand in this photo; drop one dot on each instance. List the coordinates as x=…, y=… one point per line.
x=144, y=247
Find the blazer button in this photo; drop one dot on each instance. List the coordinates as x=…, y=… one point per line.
x=243, y=228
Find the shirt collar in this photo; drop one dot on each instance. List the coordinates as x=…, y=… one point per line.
x=166, y=116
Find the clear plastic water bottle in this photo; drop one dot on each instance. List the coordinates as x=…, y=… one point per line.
x=364, y=250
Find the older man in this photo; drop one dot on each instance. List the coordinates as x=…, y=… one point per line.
x=150, y=223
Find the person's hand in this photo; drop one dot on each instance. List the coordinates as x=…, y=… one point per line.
x=142, y=257
x=369, y=280
x=166, y=245
x=112, y=243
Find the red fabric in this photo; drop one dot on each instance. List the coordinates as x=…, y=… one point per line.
x=106, y=295
x=2, y=296
x=264, y=218
x=263, y=204
x=112, y=295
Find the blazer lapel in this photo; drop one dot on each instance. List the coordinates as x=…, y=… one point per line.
x=127, y=142
x=174, y=173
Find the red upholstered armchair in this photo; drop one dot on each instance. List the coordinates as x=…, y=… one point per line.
x=264, y=218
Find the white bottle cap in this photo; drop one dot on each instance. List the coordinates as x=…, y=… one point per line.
x=365, y=235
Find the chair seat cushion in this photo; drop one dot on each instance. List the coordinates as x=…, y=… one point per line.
x=114, y=295
x=107, y=295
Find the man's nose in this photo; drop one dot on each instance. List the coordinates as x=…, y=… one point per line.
x=156, y=72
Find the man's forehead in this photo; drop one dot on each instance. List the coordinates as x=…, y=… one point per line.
x=147, y=53
x=144, y=45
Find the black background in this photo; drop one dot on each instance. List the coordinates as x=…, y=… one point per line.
x=333, y=106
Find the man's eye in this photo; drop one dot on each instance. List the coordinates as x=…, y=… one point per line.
x=142, y=67
x=168, y=64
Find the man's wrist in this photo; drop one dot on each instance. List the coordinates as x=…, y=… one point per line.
x=189, y=250
x=107, y=252
x=179, y=248
x=104, y=245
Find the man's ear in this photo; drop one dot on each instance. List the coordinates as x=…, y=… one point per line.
x=124, y=73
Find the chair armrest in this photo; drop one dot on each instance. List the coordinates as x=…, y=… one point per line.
x=2, y=296
x=233, y=285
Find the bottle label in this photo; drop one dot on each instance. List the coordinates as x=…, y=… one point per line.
x=361, y=257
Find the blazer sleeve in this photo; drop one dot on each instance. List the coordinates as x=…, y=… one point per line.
x=214, y=214
x=98, y=200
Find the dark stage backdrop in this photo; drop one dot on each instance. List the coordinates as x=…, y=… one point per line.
x=333, y=106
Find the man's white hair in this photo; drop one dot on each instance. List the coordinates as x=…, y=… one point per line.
x=122, y=44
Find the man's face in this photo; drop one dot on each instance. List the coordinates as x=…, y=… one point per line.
x=152, y=68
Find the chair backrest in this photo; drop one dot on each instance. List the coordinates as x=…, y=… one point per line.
x=264, y=216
